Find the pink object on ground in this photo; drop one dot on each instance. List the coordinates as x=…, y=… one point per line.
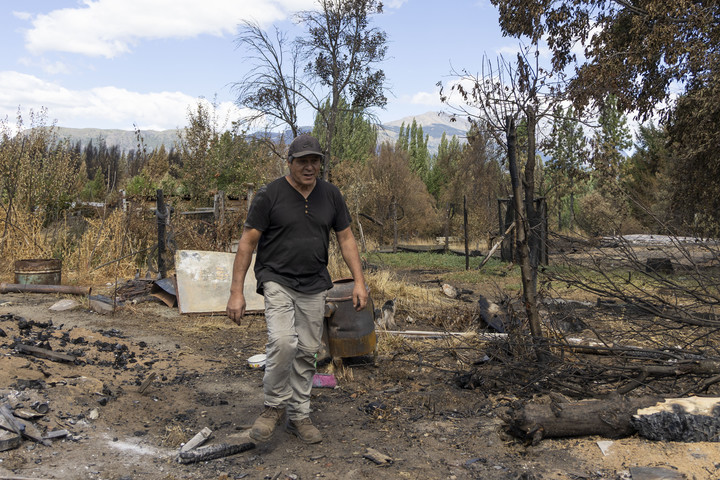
x=324, y=380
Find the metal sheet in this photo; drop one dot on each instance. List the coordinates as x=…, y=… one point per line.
x=203, y=282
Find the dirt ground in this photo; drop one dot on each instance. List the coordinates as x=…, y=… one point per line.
x=408, y=411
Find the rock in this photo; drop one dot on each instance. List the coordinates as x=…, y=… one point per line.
x=449, y=290
x=63, y=305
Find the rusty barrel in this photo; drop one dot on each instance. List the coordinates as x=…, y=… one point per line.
x=349, y=333
x=38, y=271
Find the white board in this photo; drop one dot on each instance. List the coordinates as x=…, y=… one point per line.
x=203, y=282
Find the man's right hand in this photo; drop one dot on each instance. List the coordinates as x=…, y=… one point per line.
x=236, y=307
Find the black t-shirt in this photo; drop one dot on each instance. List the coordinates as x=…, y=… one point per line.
x=293, y=247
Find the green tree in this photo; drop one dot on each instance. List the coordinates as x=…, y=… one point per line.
x=647, y=177
x=414, y=142
x=693, y=143
x=637, y=50
x=402, y=142
x=355, y=137
x=567, y=163
x=444, y=169
x=213, y=159
x=608, y=143
x=40, y=173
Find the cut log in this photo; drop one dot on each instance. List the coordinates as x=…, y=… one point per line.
x=693, y=419
x=213, y=451
x=609, y=418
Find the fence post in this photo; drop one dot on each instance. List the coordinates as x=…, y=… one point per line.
x=219, y=209
x=465, y=228
x=393, y=212
x=162, y=215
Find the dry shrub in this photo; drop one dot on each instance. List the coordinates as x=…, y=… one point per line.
x=413, y=299
x=24, y=237
x=103, y=251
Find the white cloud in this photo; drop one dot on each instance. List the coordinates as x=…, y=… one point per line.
x=112, y=27
x=101, y=107
x=22, y=15
x=510, y=52
x=52, y=68
x=431, y=99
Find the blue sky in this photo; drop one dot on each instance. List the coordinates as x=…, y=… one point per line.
x=120, y=63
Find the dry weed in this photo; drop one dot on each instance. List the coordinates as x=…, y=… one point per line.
x=102, y=252
x=22, y=236
x=174, y=436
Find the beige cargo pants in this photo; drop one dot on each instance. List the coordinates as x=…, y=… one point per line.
x=294, y=325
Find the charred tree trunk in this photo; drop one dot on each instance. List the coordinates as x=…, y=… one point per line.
x=523, y=228
x=531, y=210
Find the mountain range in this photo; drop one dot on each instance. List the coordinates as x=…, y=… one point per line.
x=433, y=124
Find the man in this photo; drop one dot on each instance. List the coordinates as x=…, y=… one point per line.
x=289, y=222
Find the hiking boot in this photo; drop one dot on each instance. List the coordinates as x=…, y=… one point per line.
x=265, y=424
x=304, y=430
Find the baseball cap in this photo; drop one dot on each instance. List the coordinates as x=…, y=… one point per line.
x=304, y=145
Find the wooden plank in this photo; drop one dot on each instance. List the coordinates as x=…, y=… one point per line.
x=8, y=421
x=31, y=432
x=19, y=426
x=197, y=440
x=44, y=353
x=497, y=244
x=146, y=383
x=9, y=440
x=56, y=434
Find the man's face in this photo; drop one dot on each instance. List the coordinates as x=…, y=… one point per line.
x=304, y=170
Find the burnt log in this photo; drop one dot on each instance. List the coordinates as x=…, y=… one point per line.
x=610, y=418
x=692, y=419
x=211, y=452
x=659, y=265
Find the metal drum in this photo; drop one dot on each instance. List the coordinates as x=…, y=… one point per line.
x=349, y=333
x=38, y=271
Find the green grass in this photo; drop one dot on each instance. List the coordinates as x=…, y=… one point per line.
x=450, y=267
